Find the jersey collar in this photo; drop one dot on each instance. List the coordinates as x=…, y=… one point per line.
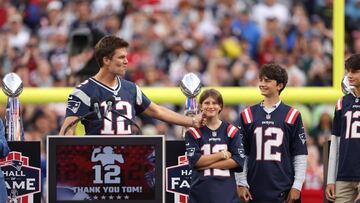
x=114, y=91
x=271, y=109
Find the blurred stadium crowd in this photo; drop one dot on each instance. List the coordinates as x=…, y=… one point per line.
x=49, y=43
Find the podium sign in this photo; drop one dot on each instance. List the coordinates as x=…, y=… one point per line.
x=22, y=172
x=178, y=173
x=106, y=168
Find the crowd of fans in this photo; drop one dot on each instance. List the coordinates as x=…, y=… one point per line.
x=49, y=43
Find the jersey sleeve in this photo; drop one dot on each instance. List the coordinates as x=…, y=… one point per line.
x=193, y=151
x=298, y=139
x=237, y=151
x=336, y=127
x=244, y=138
x=142, y=102
x=78, y=104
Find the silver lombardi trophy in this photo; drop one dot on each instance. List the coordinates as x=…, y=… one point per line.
x=190, y=85
x=12, y=86
x=345, y=86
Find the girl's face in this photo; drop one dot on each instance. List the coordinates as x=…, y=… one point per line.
x=210, y=107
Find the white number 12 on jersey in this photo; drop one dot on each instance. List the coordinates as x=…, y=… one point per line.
x=207, y=149
x=353, y=131
x=120, y=121
x=266, y=146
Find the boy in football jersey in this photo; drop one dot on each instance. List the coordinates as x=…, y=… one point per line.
x=343, y=181
x=4, y=151
x=108, y=85
x=214, y=152
x=274, y=143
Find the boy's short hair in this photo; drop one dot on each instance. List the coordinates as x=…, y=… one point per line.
x=106, y=47
x=214, y=94
x=274, y=72
x=353, y=62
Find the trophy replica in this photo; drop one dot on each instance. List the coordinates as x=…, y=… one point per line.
x=190, y=85
x=12, y=86
x=345, y=86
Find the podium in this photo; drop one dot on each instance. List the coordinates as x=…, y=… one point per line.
x=118, y=169
x=22, y=172
x=178, y=172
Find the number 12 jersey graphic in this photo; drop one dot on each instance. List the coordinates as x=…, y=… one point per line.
x=102, y=172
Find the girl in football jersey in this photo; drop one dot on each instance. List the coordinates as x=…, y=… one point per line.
x=214, y=152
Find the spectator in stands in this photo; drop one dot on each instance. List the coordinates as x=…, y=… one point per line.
x=272, y=42
x=270, y=8
x=322, y=131
x=52, y=25
x=19, y=35
x=244, y=27
x=313, y=186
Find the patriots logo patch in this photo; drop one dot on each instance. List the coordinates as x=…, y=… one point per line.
x=73, y=105
x=17, y=164
x=190, y=151
x=241, y=152
x=302, y=137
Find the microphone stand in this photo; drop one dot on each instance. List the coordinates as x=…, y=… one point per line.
x=126, y=118
x=77, y=120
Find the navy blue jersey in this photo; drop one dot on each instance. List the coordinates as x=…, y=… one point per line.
x=129, y=101
x=270, y=142
x=346, y=125
x=213, y=185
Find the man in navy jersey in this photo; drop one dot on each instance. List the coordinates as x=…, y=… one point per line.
x=214, y=152
x=111, y=55
x=343, y=182
x=274, y=143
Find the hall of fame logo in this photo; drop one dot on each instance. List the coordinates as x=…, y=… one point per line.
x=178, y=179
x=22, y=181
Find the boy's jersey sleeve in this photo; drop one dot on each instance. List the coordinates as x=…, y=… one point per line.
x=298, y=139
x=78, y=103
x=142, y=101
x=237, y=151
x=193, y=151
x=336, y=125
x=243, y=135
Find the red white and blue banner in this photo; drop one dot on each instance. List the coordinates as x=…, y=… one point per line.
x=178, y=173
x=22, y=172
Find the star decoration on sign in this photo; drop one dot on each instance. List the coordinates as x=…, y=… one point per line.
x=126, y=197
x=118, y=197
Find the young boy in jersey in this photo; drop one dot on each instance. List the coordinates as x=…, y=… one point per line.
x=214, y=152
x=343, y=181
x=274, y=143
x=107, y=84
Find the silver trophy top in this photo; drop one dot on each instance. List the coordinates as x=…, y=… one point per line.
x=12, y=85
x=345, y=86
x=190, y=85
